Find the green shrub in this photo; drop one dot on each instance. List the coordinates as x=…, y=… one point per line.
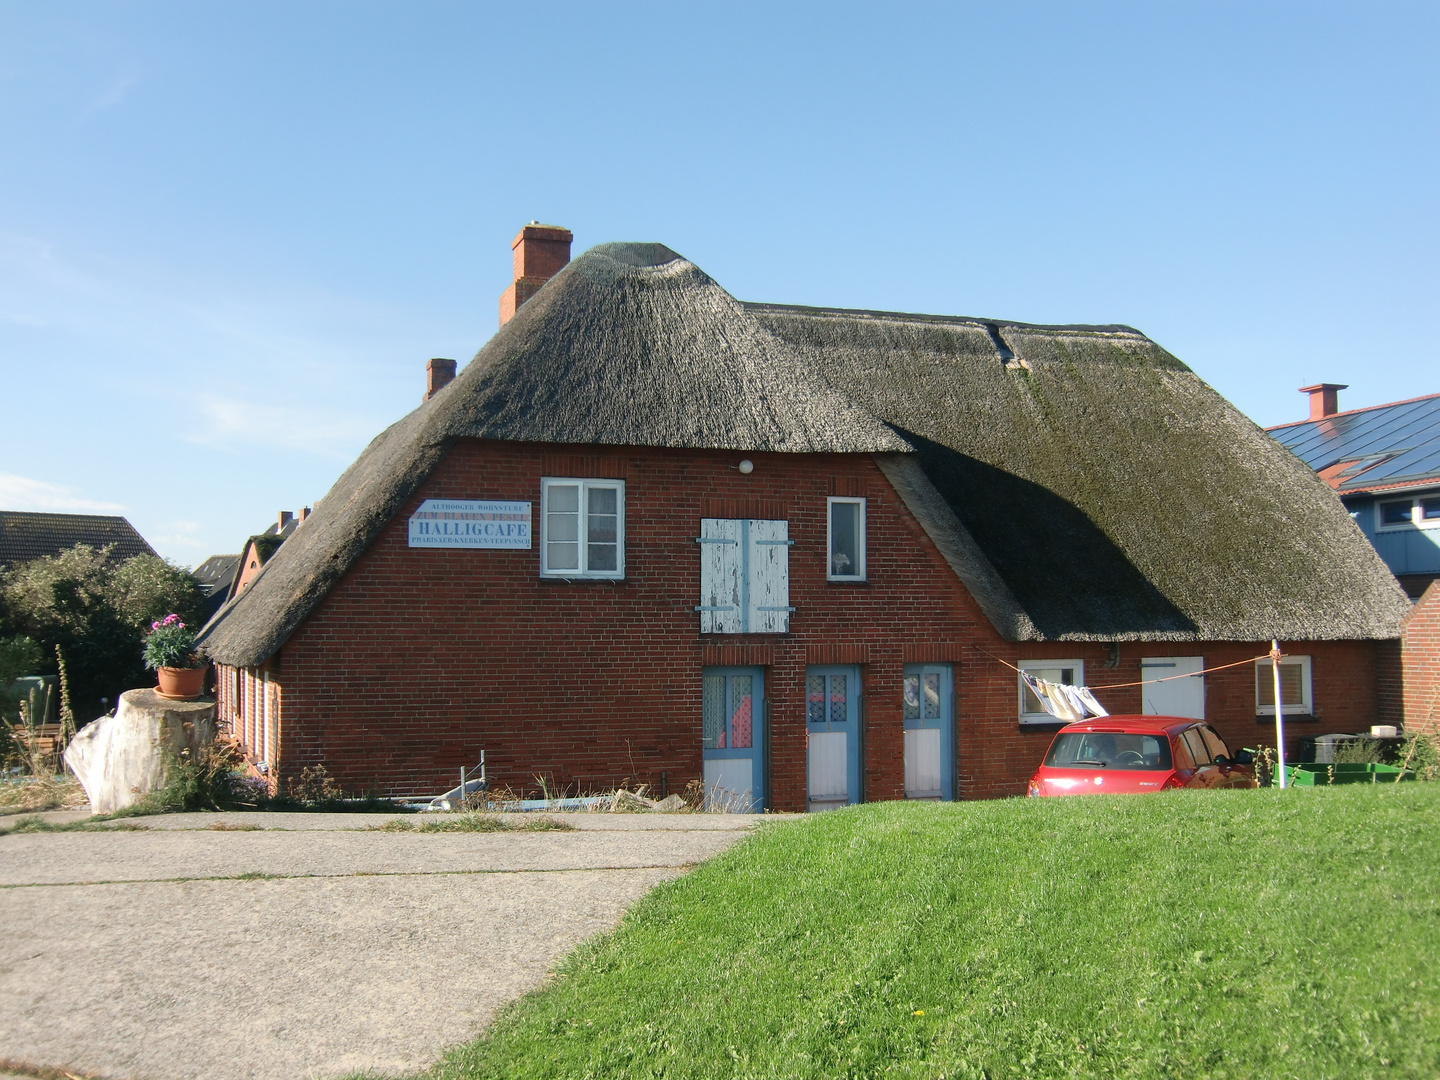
x=1421, y=754
x=1359, y=751
x=96, y=611
x=19, y=656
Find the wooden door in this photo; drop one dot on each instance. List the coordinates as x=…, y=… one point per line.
x=832, y=723
x=733, y=739
x=928, y=696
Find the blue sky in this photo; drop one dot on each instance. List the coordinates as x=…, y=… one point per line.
x=232, y=234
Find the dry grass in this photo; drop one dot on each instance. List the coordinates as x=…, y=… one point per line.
x=484, y=823
x=33, y=794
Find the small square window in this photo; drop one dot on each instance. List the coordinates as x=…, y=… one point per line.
x=846, y=540
x=1294, y=686
x=582, y=524
x=1069, y=672
x=1430, y=509
x=1395, y=513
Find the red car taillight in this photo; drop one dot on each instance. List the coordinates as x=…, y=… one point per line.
x=1172, y=781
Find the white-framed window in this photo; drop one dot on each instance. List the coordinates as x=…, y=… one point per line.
x=582, y=526
x=1069, y=672
x=1408, y=513
x=1294, y=686
x=845, y=539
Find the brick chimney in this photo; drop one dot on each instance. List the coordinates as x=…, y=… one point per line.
x=285, y=517
x=540, y=252
x=438, y=374
x=303, y=513
x=1324, y=398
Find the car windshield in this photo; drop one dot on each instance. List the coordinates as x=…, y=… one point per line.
x=1109, y=750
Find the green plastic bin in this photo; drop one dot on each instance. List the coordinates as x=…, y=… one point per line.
x=1315, y=774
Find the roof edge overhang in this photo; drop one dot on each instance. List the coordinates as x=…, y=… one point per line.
x=1399, y=487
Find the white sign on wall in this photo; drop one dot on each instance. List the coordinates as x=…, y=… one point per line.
x=464, y=523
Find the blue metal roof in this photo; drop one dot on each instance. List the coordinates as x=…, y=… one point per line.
x=1387, y=446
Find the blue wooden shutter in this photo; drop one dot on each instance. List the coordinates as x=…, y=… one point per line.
x=767, y=577
x=722, y=558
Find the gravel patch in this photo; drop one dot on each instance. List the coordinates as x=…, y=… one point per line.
x=182, y=953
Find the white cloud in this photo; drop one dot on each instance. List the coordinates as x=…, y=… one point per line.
x=228, y=420
x=108, y=98
x=180, y=534
x=22, y=493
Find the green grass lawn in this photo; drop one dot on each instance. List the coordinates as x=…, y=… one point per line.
x=1246, y=933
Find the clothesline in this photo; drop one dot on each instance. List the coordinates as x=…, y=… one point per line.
x=1142, y=682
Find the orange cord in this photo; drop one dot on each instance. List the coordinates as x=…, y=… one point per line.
x=1142, y=682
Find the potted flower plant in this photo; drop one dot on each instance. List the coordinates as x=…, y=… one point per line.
x=170, y=652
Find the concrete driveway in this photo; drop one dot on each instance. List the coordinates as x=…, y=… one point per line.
x=303, y=949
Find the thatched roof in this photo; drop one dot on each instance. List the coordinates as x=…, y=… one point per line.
x=1082, y=482
x=1116, y=494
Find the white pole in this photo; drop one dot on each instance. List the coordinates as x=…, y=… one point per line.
x=1275, y=655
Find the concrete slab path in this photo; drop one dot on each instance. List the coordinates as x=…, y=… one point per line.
x=308, y=949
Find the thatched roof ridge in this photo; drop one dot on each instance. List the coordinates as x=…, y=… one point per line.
x=1116, y=495
x=632, y=345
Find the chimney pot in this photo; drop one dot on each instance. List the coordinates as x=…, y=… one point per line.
x=438, y=373
x=1324, y=398
x=540, y=251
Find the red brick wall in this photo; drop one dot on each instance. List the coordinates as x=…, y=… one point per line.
x=419, y=658
x=1420, y=659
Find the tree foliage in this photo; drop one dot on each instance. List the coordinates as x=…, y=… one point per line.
x=97, y=611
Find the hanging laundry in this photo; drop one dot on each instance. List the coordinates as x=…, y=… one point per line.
x=1093, y=707
x=1062, y=708
x=1067, y=703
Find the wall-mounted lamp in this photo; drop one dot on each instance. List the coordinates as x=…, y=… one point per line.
x=747, y=467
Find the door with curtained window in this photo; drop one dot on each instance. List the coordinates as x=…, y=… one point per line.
x=733, y=738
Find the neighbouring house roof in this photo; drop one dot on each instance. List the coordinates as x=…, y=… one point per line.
x=27, y=536
x=1081, y=481
x=1382, y=448
x=217, y=572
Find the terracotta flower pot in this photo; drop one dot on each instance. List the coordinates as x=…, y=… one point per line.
x=181, y=683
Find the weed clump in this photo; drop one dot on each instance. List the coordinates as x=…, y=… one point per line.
x=471, y=823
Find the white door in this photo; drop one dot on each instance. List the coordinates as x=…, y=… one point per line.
x=1184, y=696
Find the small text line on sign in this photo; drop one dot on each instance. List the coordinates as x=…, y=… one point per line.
x=465, y=523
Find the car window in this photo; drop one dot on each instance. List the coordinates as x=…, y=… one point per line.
x=1183, y=760
x=1109, y=750
x=1196, y=746
x=1214, y=744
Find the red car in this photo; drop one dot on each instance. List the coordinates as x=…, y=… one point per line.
x=1139, y=753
